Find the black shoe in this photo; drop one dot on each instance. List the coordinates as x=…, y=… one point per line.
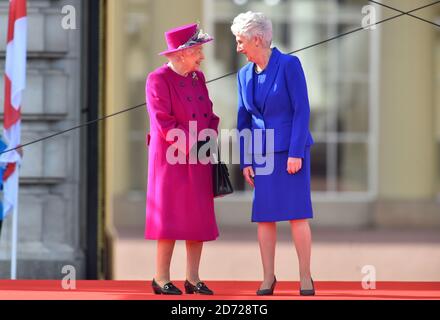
x=199, y=288
x=268, y=292
x=168, y=288
x=308, y=292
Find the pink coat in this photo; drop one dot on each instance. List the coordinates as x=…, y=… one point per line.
x=180, y=202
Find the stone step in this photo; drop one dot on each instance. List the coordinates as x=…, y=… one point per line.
x=337, y=255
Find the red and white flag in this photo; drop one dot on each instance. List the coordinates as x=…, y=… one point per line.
x=15, y=82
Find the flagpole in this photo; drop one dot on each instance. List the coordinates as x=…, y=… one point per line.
x=14, y=239
x=15, y=84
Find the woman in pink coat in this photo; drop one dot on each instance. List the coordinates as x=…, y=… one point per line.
x=180, y=201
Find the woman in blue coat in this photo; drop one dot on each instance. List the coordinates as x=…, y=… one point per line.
x=272, y=95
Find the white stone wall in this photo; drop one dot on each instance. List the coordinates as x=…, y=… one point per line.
x=50, y=218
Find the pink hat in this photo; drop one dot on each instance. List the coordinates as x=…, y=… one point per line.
x=184, y=37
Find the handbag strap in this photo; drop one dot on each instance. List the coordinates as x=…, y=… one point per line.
x=216, y=156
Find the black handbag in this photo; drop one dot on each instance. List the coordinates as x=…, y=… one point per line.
x=220, y=178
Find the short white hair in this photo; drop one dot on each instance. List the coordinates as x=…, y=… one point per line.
x=176, y=57
x=252, y=24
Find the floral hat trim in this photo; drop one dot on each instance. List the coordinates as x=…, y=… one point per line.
x=198, y=37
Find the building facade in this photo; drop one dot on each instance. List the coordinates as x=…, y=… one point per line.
x=53, y=224
x=375, y=117
x=374, y=105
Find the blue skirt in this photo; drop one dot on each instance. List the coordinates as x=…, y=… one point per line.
x=281, y=196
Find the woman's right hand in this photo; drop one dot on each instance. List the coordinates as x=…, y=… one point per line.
x=249, y=175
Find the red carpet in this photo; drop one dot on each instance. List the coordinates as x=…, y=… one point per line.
x=225, y=290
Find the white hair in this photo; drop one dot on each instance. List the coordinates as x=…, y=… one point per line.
x=177, y=56
x=252, y=24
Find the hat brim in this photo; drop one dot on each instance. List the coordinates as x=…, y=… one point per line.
x=194, y=45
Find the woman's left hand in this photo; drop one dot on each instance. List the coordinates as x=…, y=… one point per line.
x=294, y=165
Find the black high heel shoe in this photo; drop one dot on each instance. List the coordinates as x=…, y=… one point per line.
x=168, y=288
x=308, y=292
x=199, y=288
x=268, y=292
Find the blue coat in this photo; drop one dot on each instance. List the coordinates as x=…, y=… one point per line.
x=286, y=108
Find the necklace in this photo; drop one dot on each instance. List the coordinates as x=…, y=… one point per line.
x=268, y=59
x=257, y=71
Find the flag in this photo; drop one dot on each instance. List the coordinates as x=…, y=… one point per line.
x=15, y=81
x=3, y=147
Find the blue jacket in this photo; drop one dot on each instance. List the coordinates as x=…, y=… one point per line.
x=286, y=109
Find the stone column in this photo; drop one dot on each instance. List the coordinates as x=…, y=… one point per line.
x=408, y=163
